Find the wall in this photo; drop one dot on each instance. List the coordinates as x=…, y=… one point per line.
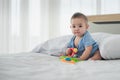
x=109, y=28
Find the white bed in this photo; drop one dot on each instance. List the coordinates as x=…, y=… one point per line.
x=35, y=66
x=42, y=66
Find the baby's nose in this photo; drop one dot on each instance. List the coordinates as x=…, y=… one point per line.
x=76, y=28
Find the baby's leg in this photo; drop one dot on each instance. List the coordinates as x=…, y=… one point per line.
x=96, y=56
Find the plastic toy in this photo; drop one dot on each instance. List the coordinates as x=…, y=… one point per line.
x=74, y=52
x=69, y=59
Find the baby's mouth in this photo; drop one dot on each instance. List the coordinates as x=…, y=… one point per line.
x=77, y=32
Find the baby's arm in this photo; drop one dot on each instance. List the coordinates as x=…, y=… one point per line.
x=86, y=53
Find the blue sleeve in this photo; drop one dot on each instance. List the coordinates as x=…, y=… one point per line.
x=88, y=40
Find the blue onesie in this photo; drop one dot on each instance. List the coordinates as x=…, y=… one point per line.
x=86, y=40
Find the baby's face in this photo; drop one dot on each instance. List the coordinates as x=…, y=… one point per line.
x=78, y=26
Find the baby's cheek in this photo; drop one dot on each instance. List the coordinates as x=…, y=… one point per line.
x=83, y=31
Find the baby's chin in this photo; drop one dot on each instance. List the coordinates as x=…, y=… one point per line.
x=78, y=35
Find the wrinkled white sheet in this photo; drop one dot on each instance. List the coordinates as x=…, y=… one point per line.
x=37, y=66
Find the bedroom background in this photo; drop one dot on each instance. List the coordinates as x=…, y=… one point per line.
x=27, y=23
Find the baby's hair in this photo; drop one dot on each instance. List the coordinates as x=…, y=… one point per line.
x=79, y=15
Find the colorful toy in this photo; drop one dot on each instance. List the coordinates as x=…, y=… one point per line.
x=69, y=59
x=73, y=52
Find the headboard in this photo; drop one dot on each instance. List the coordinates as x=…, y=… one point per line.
x=109, y=23
x=108, y=18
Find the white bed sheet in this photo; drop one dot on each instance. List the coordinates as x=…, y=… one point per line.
x=37, y=66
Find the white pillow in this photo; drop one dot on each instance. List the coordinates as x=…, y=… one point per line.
x=110, y=47
x=100, y=36
x=53, y=46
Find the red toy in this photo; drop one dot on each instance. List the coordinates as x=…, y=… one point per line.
x=73, y=52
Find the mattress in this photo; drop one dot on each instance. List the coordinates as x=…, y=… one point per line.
x=39, y=66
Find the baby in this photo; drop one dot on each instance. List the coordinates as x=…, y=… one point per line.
x=82, y=40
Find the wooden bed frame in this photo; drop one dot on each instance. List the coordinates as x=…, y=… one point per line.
x=108, y=18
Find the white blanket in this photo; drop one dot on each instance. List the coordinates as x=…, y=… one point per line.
x=38, y=66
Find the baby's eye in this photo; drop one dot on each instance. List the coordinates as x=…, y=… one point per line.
x=73, y=26
x=80, y=26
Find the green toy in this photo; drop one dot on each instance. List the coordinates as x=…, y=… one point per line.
x=69, y=59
